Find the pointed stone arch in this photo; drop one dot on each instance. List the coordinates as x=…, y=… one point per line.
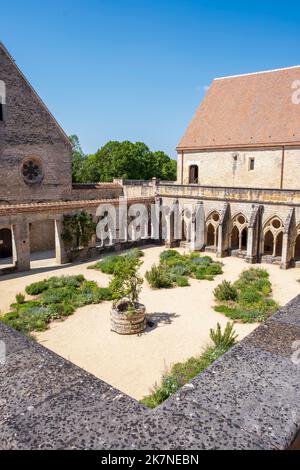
x=212, y=228
x=273, y=236
x=239, y=232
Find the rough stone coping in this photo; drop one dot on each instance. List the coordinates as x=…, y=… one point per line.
x=96, y=186
x=12, y=209
x=248, y=399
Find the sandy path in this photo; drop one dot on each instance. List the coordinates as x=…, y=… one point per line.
x=134, y=363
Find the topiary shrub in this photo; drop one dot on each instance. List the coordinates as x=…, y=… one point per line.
x=37, y=287
x=225, y=291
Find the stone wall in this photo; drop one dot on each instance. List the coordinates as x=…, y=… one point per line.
x=30, y=132
x=232, y=168
x=42, y=236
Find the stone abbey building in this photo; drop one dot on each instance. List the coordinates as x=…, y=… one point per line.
x=239, y=160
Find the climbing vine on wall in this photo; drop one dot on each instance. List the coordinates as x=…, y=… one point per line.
x=78, y=229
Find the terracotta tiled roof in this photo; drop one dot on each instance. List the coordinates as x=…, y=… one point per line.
x=58, y=206
x=247, y=110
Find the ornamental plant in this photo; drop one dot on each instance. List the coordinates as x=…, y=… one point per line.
x=126, y=283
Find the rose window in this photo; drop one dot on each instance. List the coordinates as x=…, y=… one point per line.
x=31, y=171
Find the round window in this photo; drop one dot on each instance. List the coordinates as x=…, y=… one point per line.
x=276, y=223
x=216, y=217
x=241, y=219
x=32, y=171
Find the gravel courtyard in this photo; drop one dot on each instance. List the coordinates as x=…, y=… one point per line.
x=183, y=317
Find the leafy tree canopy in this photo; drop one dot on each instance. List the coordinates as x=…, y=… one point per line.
x=121, y=160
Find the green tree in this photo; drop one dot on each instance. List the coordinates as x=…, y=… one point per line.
x=78, y=158
x=126, y=160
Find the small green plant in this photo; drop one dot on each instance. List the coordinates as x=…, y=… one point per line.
x=20, y=299
x=159, y=276
x=224, y=340
x=182, y=281
x=126, y=283
x=225, y=291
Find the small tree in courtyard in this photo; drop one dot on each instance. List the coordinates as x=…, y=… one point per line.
x=126, y=283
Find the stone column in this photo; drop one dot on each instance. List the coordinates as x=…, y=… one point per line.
x=289, y=240
x=170, y=240
x=155, y=183
x=156, y=220
x=60, y=249
x=254, y=236
x=224, y=232
x=198, y=228
x=21, y=245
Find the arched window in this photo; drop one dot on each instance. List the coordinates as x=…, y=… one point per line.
x=193, y=174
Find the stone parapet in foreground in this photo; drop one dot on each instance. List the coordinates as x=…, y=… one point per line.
x=248, y=399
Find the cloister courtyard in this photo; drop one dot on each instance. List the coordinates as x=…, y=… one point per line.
x=181, y=321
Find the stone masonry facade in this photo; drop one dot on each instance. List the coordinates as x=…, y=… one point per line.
x=242, y=172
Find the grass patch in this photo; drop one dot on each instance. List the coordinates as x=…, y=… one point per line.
x=247, y=300
x=174, y=269
x=56, y=298
x=181, y=373
x=109, y=264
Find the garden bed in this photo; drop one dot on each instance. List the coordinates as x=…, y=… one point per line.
x=247, y=300
x=53, y=299
x=175, y=269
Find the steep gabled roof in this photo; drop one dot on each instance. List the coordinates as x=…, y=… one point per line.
x=250, y=110
x=3, y=48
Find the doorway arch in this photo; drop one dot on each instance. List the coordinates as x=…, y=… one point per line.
x=5, y=243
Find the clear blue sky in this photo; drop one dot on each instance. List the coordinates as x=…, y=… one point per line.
x=137, y=69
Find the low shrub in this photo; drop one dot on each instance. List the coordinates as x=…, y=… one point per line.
x=225, y=291
x=108, y=265
x=159, y=276
x=182, y=281
x=20, y=299
x=249, y=296
x=37, y=287
x=135, y=253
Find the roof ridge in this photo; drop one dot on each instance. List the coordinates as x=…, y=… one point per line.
x=258, y=73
